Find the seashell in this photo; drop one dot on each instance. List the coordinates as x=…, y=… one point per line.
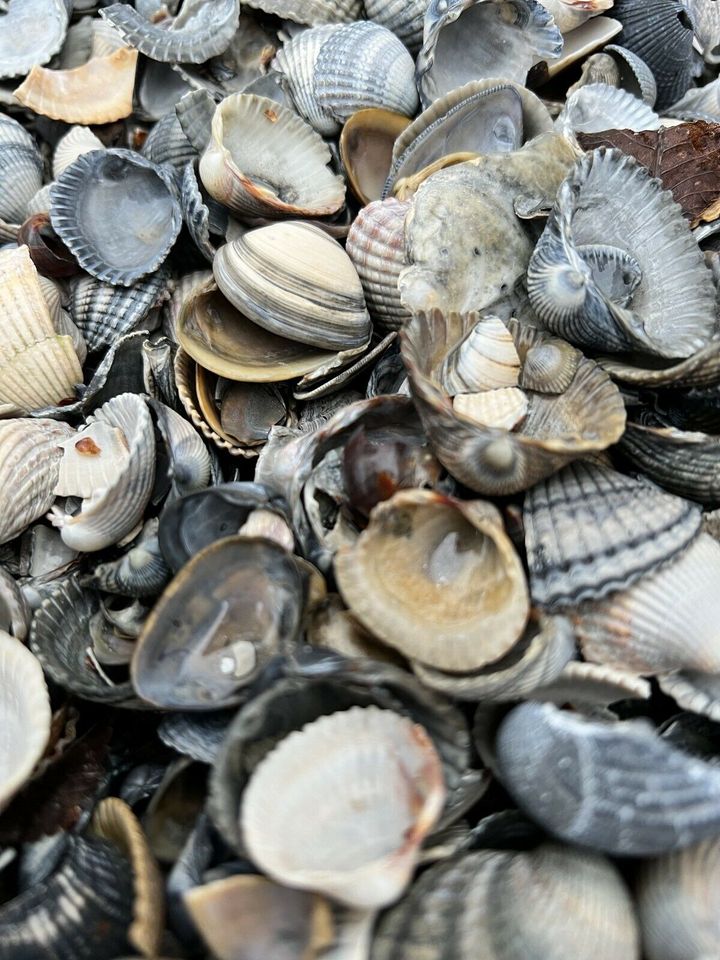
x=117, y=502
x=569, y=14
x=196, y=735
x=695, y=691
x=49, y=254
x=552, y=902
x=22, y=44
x=160, y=89
x=190, y=465
x=264, y=161
x=321, y=772
x=73, y=144
x=485, y=359
x=317, y=297
x=249, y=611
x=622, y=789
x=242, y=413
x=586, y=417
x=312, y=12
x=141, y=572
x=660, y=32
x=29, y=464
x=366, y=147
x=706, y=20
x=100, y=91
x=376, y=246
x=598, y=106
x=195, y=112
x=473, y=39
x=139, y=198
x=608, y=198
x=503, y=408
x=592, y=684
x=646, y=627
x=483, y=116
x=196, y=212
x=167, y=143
x=104, y=312
x=702, y=369
x=458, y=597
x=618, y=67
x=334, y=71
x=21, y=169
x=590, y=531
x=404, y=18
x=549, y=366
x=14, y=610
x=201, y=31
x=26, y=715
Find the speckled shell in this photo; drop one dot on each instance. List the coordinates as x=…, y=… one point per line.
x=615, y=787
x=22, y=42
x=104, y=312
x=590, y=531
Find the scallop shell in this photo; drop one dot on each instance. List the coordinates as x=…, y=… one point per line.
x=578, y=291
x=313, y=12
x=337, y=775
x=100, y=91
x=586, y=417
x=485, y=359
x=590, y=531
x=473, y=39
x=201, y=31
x=73, y=144
x=22, y=43
x=21, y=169
x=146, y=218
x=598, y=106
x=457, y=599
x=24, y=714
x=116, y=504
x=615, y=787
x=315, y=297
x=104, y=312
x=404, y=18
x=264, y=161
x=376, y=245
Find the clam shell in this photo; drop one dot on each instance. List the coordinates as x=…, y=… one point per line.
x=457, y=599
x=119, y=187
x=598, y=106
x=77, y=141
x=615, y=787
x=549, y=366
x=100, y=91
x=41, y=375
x=634, y=74
x=590, y=531
x=114, y=508
x=336, y=775
x=376, y=246
x=586, y=417
x=29, y=465
x=312, y=12
x=366, y=147
x=204, y=31
x=22, y=43
x=295, y=281
x=104, y=312
x=21, y=169
x=485, y=359
x=607, y=198
x=160, y=89
x=646, y=627
x=472, y=39
x=404, y=18
x=264, y=161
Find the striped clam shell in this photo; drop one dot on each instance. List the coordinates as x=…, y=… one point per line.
x=312, y=12
x=104, y=312
x=590, y=531
x=404, y=18
x=205, y=32
x=22, y=43
x=376, y=245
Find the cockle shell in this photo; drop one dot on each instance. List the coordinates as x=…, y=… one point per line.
x=457, y=599
x=368, y=785
x=502, y=407
x=23, y=44
x=618, y=67
x=590, y=531
x=598, y=106
x=404, y=18
x=21, y=169
x=77, y=141
x=485, y=359
x=190, y=465
x=104, y=312
x=121, y=489
x=140, y=572
x=366, y=146
x=615, y=787
x=168, y=143
x=312, y=12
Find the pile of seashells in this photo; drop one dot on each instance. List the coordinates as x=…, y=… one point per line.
x=359, y=479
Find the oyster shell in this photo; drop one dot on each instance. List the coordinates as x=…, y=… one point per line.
x=22, y=44
x=368, y=783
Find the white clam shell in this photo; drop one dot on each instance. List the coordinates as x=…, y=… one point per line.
x=486, y=359
x=598, y=106
x=366, y=785
x=91, y=460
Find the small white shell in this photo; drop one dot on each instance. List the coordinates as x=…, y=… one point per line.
x=598, y=106
x=32, y=32
x=77, y=141
x=485, y=359
x=91, y=460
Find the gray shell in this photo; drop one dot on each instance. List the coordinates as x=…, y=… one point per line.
x=21, y=170
x=140, y=572
x=195, y=113
x=168, y=143
x=104, y=312
x=404, y=18
x=32, y=32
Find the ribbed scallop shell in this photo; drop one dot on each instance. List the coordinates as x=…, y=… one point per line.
x=666, y=621
x=616, y=787
x=77, y=141
x=404, y=18
x=376, y=245
x=485, y=359
x=32, y=32
x=104, y=312
x=598, y=106
x=100, y=91
x=204, y=33
x=609, y=204
x=295, y=60
x=264, y=161
x=20, y=178
x=114, y=510
x=367, y=784
x=457, y=599
x=145, y=215
x=313, y=12
x=41, y=375
x=590, y=531
x=24, y=715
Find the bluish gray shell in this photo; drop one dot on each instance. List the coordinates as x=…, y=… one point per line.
x=104, y=312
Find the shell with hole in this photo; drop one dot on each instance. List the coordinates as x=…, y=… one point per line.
x=458, y=598
x=264, y=161
x=360, y=852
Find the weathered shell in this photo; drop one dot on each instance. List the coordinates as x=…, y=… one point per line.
x=190, y=465
x=591, y=684
x=598, y=106
x=312, y=12
x=104, y=312
x=366, y=147
x=195, y=112
x=590, y=531
x=160, y=89
x=457, y=599
x=502, y=407
x=22, y=43
x=100, y=91
x=694, y=691
x=141, y=572
x=121, y=187
x=168, y=143
x=363, y=780
x=615, y=787
x=553, y=902
x=473, y=39
x=77, y=141
x=706, y=19
x=589, y=285
x=619, y=67
x=21, y=170
x=485, y=359
x=587, y=416
x=115, y=506
x=315, y=297
x=570, y=14
x=264, y=161
x=201, y=31
x=404, y=18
